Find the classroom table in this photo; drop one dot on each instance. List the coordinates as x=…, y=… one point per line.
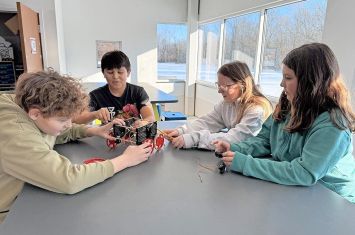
x=156, y=96
x=177, y=192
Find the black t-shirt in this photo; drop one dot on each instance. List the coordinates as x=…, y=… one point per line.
x=133, y=95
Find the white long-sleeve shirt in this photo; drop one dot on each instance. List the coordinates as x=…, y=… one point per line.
x=203, y=131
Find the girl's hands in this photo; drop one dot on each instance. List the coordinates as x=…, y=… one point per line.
x=178, y=142
x=221, y=146
x=228, y=157
x=171, y=132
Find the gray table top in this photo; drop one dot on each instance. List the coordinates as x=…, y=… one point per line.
x=155, y=95
x=177, y=192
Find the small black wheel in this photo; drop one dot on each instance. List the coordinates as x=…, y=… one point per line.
x=222, y=167
x=219, y=155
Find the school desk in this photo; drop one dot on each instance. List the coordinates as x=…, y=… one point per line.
x=177, y=192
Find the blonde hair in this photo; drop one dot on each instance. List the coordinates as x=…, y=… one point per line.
x=51, y=93
x=251, y=96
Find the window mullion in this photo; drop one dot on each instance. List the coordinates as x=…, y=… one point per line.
x=260, y=47
x=221, y=42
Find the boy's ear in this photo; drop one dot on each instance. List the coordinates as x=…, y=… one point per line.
x=34, y=113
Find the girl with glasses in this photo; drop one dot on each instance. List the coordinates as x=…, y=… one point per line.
x=241, y=112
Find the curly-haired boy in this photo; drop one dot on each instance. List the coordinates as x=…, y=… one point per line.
x=36, y=118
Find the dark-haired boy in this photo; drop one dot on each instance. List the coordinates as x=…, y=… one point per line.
x=117, y=96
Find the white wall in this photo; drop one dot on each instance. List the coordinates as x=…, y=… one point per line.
x=206, y=98
x=70, y=29
x=45, y=8
x=338, y=34
x=132, y=22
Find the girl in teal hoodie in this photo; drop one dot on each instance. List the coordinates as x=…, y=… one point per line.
x=308, y=138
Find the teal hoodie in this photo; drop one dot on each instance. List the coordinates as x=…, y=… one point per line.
x=323, y=153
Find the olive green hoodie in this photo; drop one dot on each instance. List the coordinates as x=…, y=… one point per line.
x=27, y=156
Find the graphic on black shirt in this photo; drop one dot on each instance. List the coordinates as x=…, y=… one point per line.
x=112, y=112
x=128, y=105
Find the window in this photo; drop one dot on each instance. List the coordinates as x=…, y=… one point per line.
x=285, y=28
x=172, y=41
x=288, y=27
x=241, y=39
x=209, y=37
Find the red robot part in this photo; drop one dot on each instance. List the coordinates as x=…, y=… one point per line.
x=111, y=143
x=131, y=110
x=151, y=142
x=159, y=142
x=94, y=159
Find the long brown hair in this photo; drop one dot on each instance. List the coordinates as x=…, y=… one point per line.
x=251, y=96
x=320, y=88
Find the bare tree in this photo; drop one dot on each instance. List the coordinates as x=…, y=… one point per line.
x=287, y=31
x=171, y=46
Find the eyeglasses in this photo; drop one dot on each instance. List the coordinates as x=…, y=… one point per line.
x=223, y=87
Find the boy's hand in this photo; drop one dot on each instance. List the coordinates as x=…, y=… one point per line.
x=103, y=114
x=140, y=123
x=221, y=146
x=228, y=157
x=105, y=130
x=178, y=142
x=171, y=132
x=119, y=121
x=134, y=155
